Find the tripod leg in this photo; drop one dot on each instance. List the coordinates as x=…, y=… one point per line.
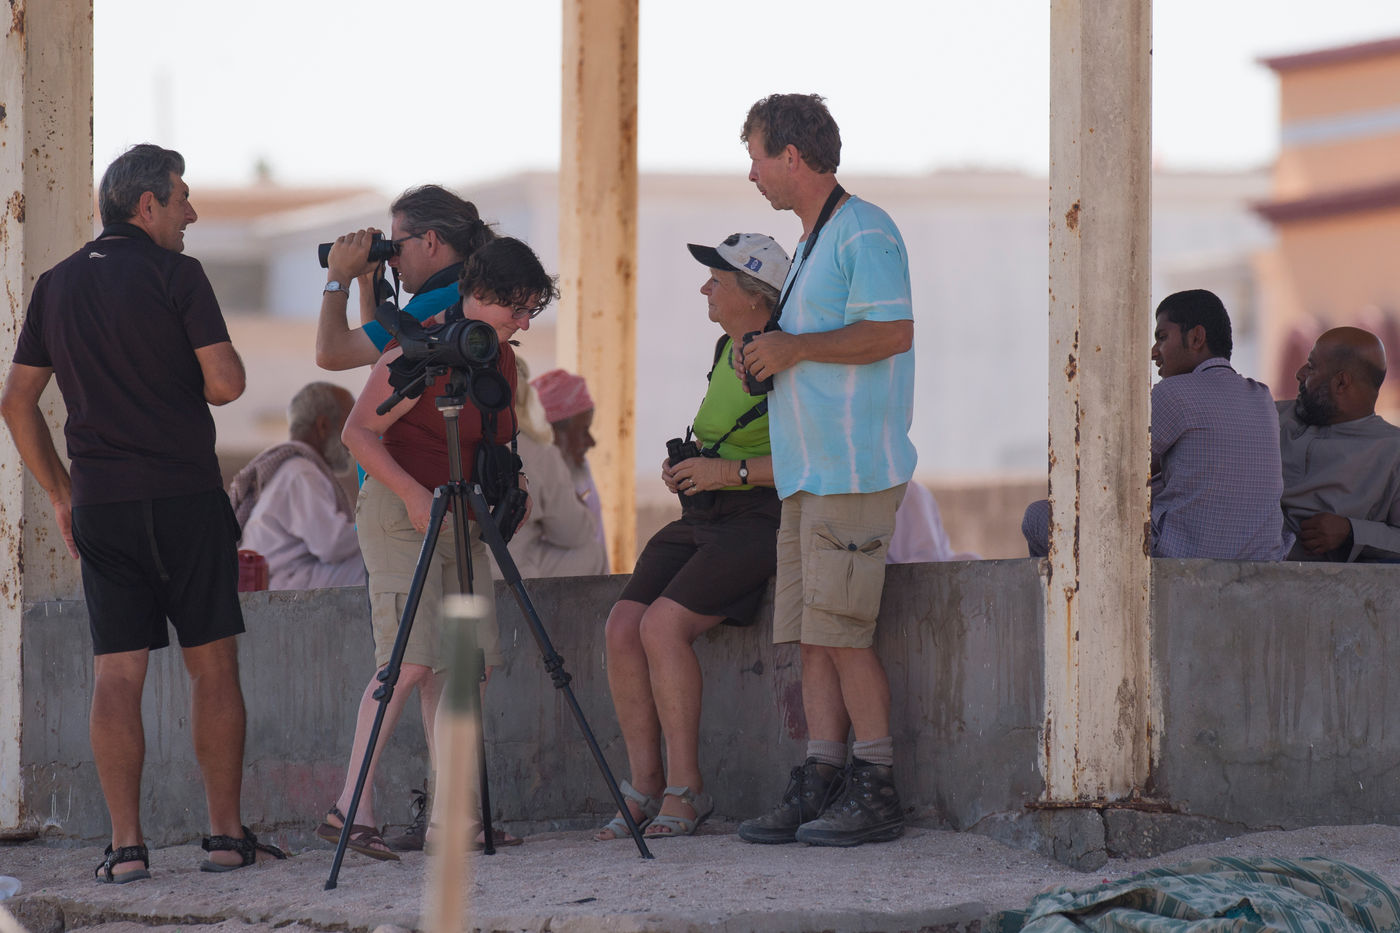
x=390, y=675
x=488, y=835
x=553, y=663
x=466, y=582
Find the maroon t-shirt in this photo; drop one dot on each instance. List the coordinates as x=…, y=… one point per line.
x=418, y=440
x=118, y=322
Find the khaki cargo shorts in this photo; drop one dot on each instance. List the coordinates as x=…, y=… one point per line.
x=390, y=546
x=831, y=567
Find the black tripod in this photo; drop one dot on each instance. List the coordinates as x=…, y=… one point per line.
x=463, y=496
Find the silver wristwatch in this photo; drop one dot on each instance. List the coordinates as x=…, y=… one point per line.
x=333, y=287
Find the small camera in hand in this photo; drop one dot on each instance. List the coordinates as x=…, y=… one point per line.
x=678, y=451
x=752, y=385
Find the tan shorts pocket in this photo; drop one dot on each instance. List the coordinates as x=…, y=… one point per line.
x=844, y=573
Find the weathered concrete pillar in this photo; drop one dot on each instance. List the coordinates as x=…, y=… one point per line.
x=46, y=188
x=1097, y=690
x=598, y=244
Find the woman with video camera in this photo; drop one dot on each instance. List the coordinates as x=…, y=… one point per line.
x=404, y=452
x=710, y=566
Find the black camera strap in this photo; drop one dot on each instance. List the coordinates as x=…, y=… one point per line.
x=832, y=199
x=758, y=410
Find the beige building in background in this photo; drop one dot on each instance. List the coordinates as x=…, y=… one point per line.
x=1335, y=207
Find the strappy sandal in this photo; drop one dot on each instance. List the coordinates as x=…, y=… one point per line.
x=665, y=824
x=363, y=839
x=104, y=875
x=648, y=804
x=247, y=848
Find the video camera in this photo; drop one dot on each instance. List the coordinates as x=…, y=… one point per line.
x=470, y=347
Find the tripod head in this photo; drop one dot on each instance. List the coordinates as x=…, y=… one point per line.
x=469, y=348
x=497, y=468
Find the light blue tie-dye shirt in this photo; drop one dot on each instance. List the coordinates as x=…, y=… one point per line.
x=839, y=428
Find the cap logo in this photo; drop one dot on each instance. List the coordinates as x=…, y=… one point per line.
x=754, y=264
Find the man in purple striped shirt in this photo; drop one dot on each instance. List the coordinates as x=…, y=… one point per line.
x=1216, y=473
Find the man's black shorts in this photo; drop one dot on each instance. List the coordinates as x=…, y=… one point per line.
x=149, y=560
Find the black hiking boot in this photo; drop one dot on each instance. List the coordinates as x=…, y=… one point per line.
x=811, y=787
x=411, y=839
x=868, y=810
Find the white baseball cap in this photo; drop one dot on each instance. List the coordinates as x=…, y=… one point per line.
x=750, y=253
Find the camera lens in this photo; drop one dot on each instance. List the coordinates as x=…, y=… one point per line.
x=475, y=341
x=489, y=390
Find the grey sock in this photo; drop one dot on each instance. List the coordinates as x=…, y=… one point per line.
x=876, y=751
x=828, y=753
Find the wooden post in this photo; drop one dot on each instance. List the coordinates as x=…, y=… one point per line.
x=598, y=245
x=457, y=744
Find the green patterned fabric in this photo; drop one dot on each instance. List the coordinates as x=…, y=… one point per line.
x=1222, y=895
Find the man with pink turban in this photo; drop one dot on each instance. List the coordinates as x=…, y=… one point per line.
x=569, y=410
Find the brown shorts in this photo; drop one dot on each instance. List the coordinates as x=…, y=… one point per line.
x=390, y=546
x=831, y=567
x=715, y=562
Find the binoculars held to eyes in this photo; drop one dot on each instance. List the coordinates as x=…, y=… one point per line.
x=380, y=250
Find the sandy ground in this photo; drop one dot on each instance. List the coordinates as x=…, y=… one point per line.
x=566, y=883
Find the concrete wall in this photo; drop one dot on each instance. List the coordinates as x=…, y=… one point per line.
x=1277, y=692
x=1272, y=706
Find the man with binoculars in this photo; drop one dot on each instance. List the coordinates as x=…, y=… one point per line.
x=840, y=411
x=433, y=232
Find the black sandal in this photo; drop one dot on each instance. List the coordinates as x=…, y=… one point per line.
x=247, y=848
x=104, y=875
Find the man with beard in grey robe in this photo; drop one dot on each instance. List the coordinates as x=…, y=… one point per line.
x=1341, y=461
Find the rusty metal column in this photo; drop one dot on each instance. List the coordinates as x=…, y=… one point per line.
x=598, y=245
x=46, y=189
x=1096, y=741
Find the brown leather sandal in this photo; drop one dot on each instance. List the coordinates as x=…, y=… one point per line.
x=363, y=839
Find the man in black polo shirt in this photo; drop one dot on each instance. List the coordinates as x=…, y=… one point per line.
x=135, y=337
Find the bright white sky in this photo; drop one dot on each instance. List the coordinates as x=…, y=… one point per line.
x=398, y=92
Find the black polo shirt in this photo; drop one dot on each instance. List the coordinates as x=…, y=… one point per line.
x=118, y=322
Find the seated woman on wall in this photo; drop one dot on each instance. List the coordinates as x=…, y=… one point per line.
x=405, y=453
x=708, y=567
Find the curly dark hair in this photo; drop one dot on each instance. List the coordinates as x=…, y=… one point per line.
x=507, y=272
x=800, y=120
